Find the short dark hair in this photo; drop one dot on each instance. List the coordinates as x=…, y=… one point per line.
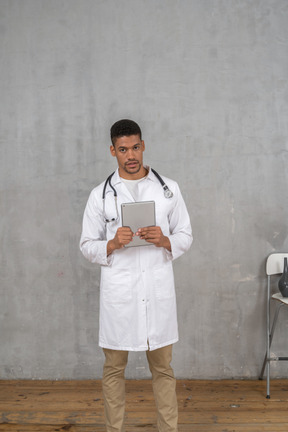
x=124, y=127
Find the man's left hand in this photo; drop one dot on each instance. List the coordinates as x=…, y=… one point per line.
x=154, y=235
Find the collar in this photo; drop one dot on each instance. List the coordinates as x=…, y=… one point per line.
x=116, y=179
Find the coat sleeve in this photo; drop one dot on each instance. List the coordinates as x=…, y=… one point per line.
x=180, y=228
x=93, y=242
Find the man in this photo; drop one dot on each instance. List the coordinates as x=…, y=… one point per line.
x=137, y=295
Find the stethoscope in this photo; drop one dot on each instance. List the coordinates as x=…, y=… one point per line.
x=167, y=193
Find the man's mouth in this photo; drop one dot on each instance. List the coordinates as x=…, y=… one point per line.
x=132, y=164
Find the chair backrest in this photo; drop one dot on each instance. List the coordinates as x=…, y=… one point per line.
x=275, y=263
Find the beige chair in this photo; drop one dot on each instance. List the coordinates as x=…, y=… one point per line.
x=274, y=267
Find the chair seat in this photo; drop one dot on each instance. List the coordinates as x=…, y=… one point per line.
x=279, y=297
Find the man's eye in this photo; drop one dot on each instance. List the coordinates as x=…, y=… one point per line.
x=136, y=147
x=122, y=150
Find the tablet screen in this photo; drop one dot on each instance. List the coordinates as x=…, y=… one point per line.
x=138, y=215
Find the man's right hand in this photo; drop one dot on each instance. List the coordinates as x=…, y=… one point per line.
x=123, y=236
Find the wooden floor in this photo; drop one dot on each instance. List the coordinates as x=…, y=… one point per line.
x=204, y=406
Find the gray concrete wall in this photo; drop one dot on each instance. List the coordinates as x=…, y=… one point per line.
x=207, y=81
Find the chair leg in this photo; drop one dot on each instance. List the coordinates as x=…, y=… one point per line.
x=267, y=358
x=268, y=339
x=263, y=367
x=268, y=380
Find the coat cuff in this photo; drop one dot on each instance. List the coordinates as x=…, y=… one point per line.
x=105, y=260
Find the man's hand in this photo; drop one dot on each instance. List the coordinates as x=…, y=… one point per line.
x=123, y=236
x=154, y=235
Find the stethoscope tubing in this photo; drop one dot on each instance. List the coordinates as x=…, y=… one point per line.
x=167, y=193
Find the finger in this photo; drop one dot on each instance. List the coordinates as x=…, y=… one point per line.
x=150, y=232
x=124, y=229
x=126, y=241
x=150, y=237
x=126, y=238
x=126, y=232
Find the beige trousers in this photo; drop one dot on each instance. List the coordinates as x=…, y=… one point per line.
x=164, y=388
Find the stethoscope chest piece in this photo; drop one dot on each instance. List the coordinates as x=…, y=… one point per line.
x=167, y=192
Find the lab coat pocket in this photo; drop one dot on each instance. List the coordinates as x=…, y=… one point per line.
x=163, y=281
x=116, y=285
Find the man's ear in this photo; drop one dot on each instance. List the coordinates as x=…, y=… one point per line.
x=143, y=145
x=112, y=150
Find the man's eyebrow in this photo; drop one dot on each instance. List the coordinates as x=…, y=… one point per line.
x=125, y=147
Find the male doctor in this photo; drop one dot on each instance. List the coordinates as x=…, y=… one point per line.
x=137, y=294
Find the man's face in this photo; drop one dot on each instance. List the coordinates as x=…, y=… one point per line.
x=128, y=151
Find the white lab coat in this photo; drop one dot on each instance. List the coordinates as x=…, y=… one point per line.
x=137, y=293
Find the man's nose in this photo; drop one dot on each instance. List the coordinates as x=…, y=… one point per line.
x=131, y=154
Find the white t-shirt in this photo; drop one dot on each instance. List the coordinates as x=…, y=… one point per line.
x=132, y=186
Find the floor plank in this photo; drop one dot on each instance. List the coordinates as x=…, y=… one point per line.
x=204, y=406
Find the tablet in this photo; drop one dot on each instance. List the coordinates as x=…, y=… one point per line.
x=138, y=215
